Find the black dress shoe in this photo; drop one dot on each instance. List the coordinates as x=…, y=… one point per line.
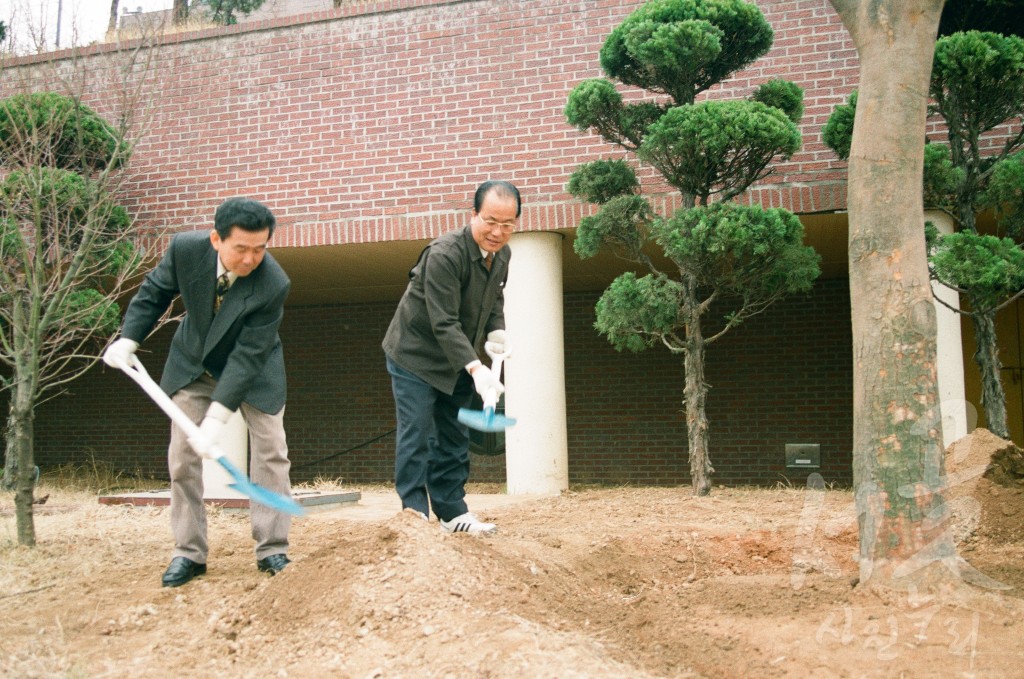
x=273, y=564
x=181, y=571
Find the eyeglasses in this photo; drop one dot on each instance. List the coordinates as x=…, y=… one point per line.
x=493, y=223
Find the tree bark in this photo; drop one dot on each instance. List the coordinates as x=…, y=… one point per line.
x=993, y=398
x=112, y=22
x=21, y=411
x=179, y=12
x=10, y=479
x=897, y=457
x=25, y=480
x=695, y=394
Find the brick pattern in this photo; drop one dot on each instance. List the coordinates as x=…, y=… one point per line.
x=375, y=121
x=783, y=377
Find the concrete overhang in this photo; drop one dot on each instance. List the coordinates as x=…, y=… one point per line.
x=378, y=272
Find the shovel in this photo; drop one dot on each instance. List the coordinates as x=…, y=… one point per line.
x=242, y=484
x=486, y=419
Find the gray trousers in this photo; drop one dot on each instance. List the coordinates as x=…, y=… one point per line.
x=268, y=467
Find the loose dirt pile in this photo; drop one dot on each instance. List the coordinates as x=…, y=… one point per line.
x=629, y=582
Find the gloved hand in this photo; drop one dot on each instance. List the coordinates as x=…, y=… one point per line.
x=210, y=429
x=498, y=344
x=119, y=353
x=484, y=380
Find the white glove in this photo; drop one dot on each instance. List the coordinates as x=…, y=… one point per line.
x=210, y=429
x=498, y=344
x=119, y=353
x=485, y=380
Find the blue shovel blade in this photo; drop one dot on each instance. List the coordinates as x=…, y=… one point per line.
x=258, y=493
x=485, y=420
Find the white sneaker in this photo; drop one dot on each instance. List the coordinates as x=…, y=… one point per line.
x=468, y=523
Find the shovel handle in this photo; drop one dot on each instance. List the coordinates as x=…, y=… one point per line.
x=491, y=400
x=138, y=373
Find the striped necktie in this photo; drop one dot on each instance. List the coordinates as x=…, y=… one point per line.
x=488, y=260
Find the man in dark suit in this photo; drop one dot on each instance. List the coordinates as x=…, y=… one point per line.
x=225, y=355
x=453, y=305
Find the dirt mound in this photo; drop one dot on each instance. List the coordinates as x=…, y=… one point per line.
x=986, y=488
x=629, y=582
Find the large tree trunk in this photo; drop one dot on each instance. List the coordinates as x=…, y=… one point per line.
x=993, y=398
x=20, y=418
x=20, y=434
x=695, y=394
x=897, y=455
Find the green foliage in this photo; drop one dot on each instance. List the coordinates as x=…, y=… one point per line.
x=683, y=47
x=52, y=130
x=600, y=181
x=621, y=224
x=718, y=146
x=988, y=268
x=596, y=104
x=90, y=308
x=784, y=95
x=978, y=81
x=1005, y=194
x=942, y=179
x=838, y=131
x=741, y=250
x=60, y=208
x=634, y=313
x=226, y=12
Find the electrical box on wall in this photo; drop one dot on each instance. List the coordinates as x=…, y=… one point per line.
x=803, y=455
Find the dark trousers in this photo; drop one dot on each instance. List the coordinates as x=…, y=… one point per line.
x=431, y=445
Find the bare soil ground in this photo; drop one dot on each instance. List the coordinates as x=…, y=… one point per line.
x=624, y=582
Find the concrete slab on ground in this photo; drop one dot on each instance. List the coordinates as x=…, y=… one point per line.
x=310, y=500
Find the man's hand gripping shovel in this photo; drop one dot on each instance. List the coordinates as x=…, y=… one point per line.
x=242, y=484
x=486, y=419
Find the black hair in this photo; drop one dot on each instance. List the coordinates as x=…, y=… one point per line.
x=503, y=189
x=245, y=213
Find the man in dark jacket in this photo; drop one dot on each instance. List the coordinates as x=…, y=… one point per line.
x=453, y=305
x=225, y=355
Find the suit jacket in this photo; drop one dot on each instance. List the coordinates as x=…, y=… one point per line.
x=449, y=306
x=239, y=346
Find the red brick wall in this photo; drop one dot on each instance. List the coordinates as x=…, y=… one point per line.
x=375, y=122
x=783, y=377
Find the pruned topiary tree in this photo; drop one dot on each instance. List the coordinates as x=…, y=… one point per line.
x=727, y=261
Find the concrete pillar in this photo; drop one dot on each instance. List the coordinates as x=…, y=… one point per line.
x=234, y=441
x=953, y=405
x=536, y=448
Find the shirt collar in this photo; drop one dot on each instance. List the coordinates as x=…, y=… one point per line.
x=221, y=269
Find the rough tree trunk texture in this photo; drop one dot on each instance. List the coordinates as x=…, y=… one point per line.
x=10, y=478
x=695, y=395
x=993, y=398
x=20, y=421
x=112, y=22
x=179, y=12
x=24, y=492
x=897, y=455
